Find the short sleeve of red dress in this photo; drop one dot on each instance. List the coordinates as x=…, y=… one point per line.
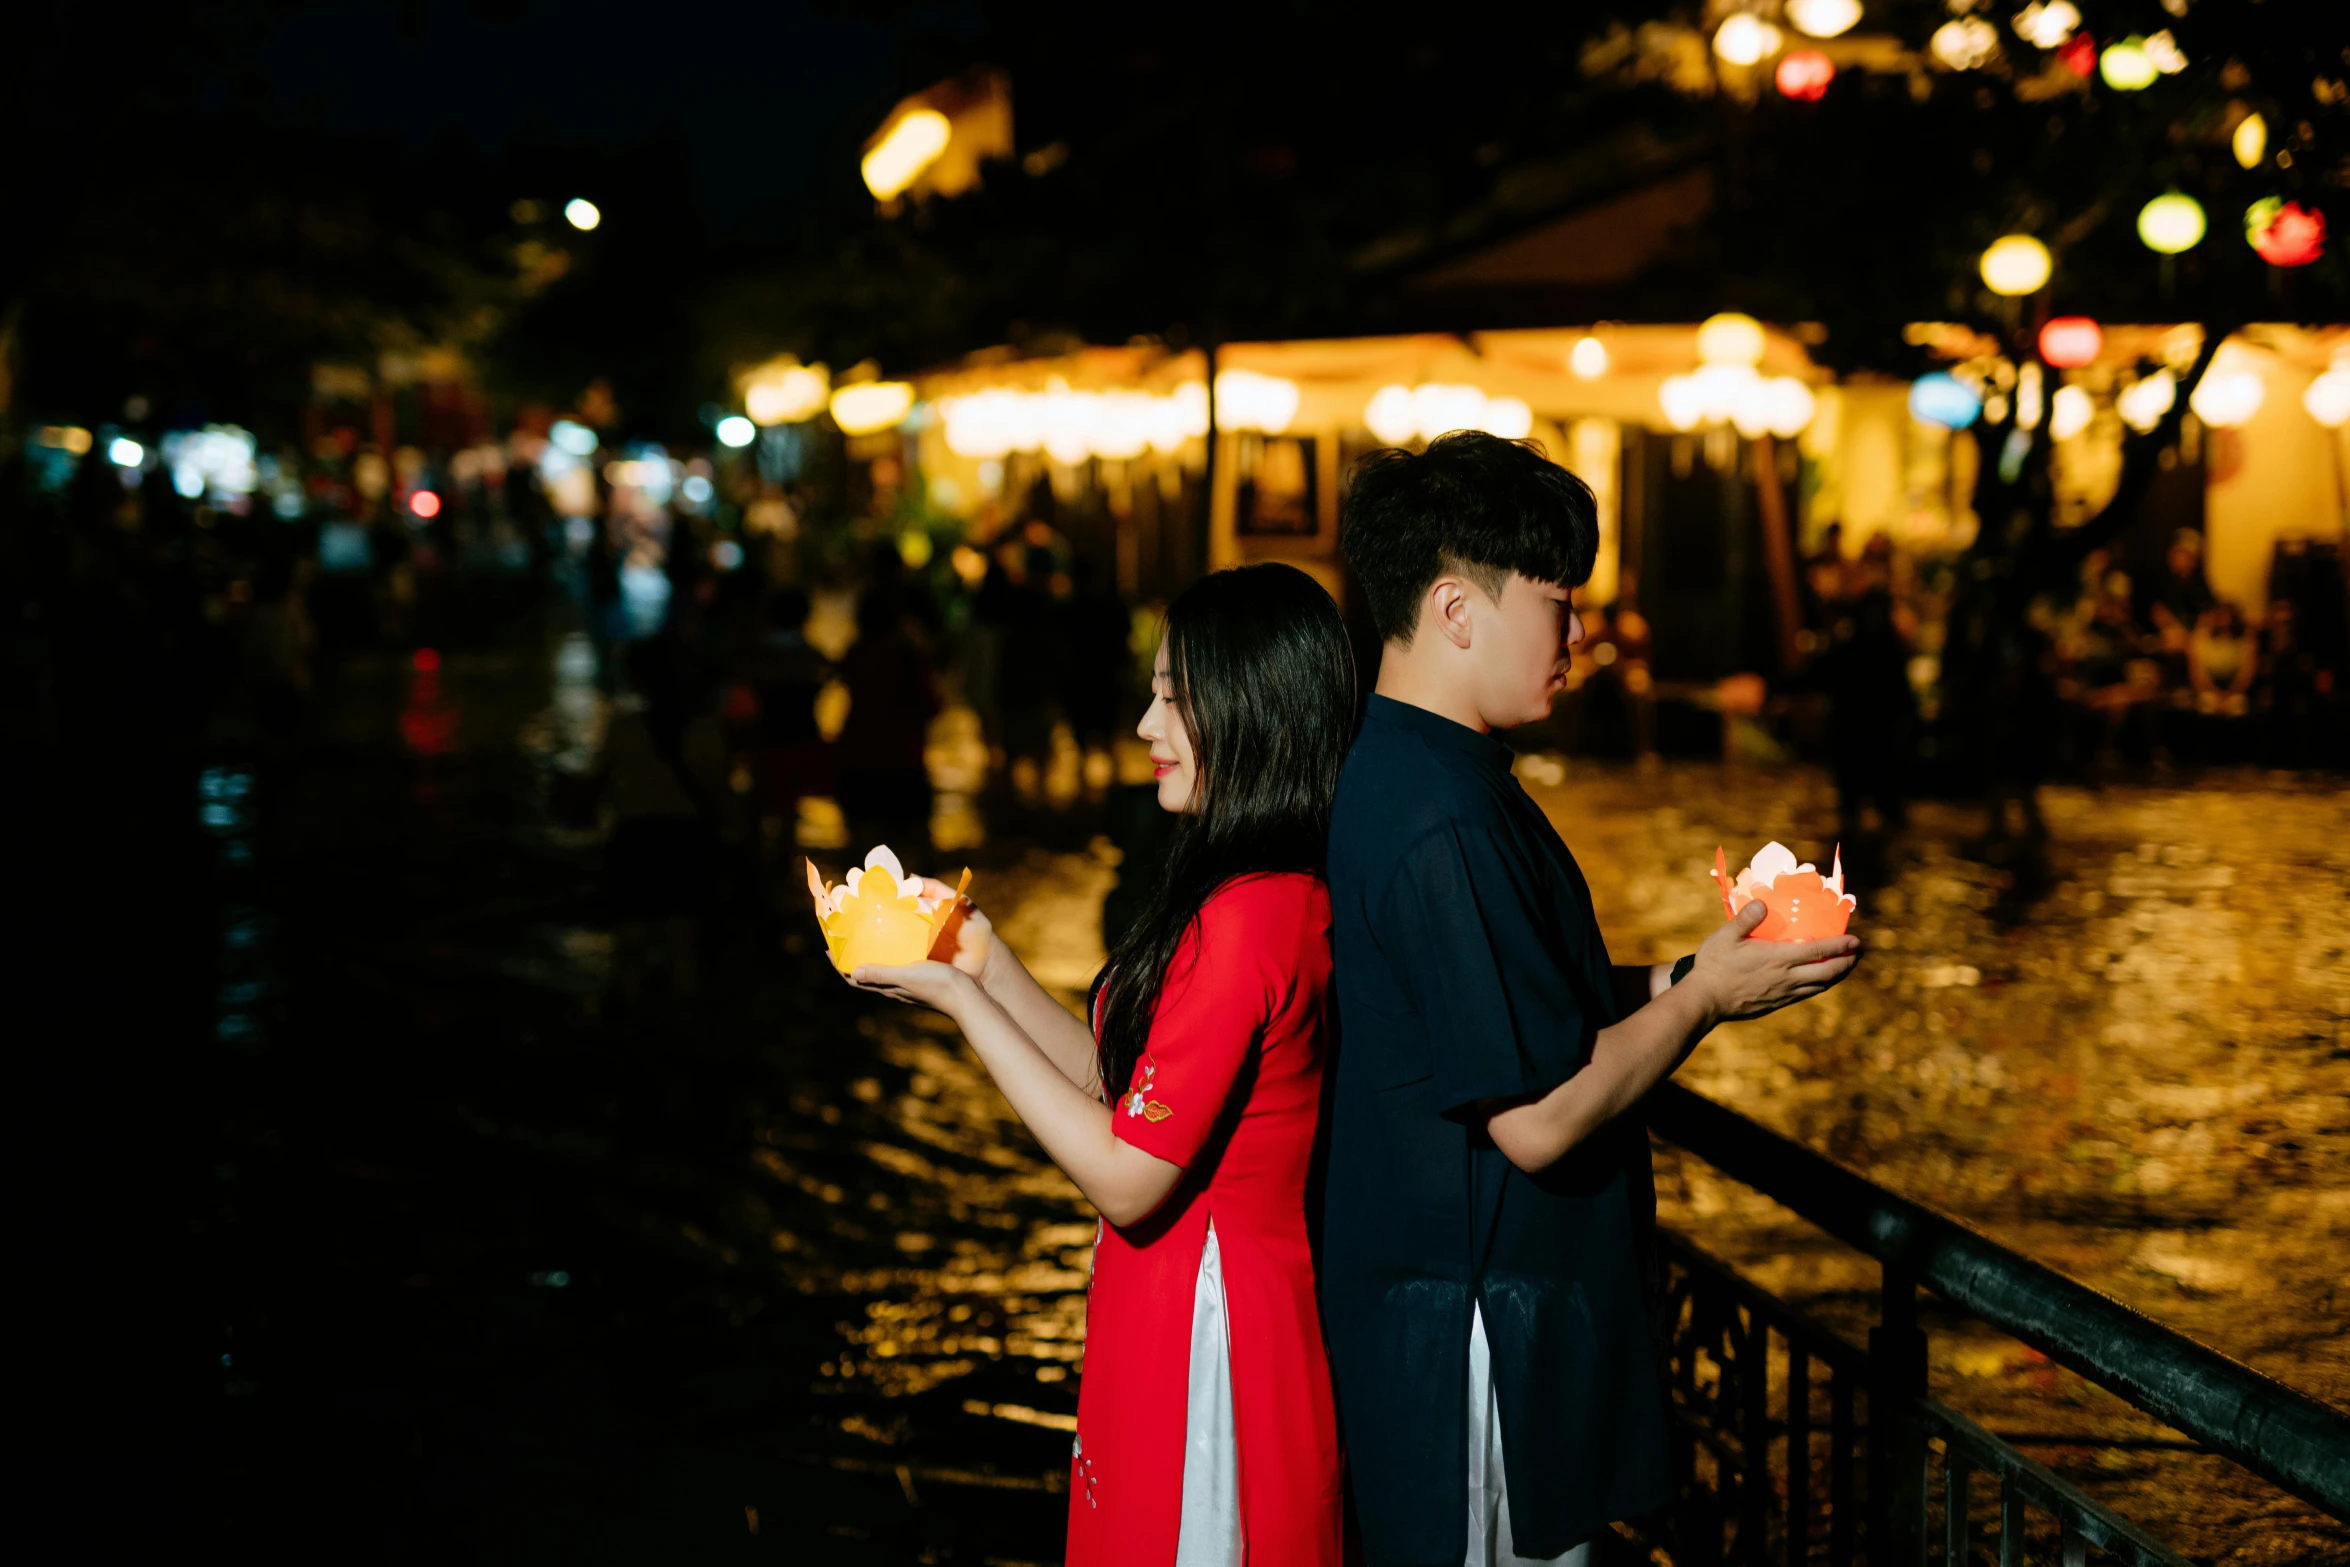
x=1225, y=980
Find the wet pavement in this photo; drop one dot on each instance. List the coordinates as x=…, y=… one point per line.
x=496, y=1268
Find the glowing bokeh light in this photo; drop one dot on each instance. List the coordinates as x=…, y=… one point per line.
x=582, y=214
x=910, y=146
x=425, y=504
x=736, y=431
x=2126, y=66
x=1941, y=398
x=1804, y=75
x=124, y=452
x=1588, y=358
x=1823, y=18
x=2069, y=342
x=869, y=407
x=2285, y=233
x=1746, y=39
x=2250, y=143
x=2047, y=25
x=2069, y=412
x=1964, y=42
x=2143, y=402
x=2171, y=223
x=1730, y=339
x=2328, y=397
x=2015, y=264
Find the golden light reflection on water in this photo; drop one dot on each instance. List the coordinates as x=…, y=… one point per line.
x=2140, y=1078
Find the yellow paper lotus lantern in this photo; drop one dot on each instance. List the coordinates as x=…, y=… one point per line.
x=2015, y=264
x=2171, y=223
x=879, y=915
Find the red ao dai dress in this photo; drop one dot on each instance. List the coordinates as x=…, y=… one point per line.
x=1205, y=1428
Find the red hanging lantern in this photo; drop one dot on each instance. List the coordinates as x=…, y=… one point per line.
x=2285, y=233
x=1804, y=75
x=2079, y=54
x=2069, y=342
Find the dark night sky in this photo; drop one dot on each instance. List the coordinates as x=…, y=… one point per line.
x=757, y=91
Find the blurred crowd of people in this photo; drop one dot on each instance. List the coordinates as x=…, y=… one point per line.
x=2170, y=668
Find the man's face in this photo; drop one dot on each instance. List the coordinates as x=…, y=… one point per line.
x=1521, y=649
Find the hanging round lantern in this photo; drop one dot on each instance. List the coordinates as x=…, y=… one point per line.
x=1823, y=18
x=1964, y=43
x=2250, y=141
x=2285, y=233
x=2069, y=342
x=2046, y=24
x=1942, y=398
x=2016, y=264
x=2126, y=66
x=2171, y=223
x=1746, y=39
x=1730, y=339
x=1804, y=75
x=2328, y=397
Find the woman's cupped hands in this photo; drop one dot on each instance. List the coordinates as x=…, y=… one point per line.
x=944, y=986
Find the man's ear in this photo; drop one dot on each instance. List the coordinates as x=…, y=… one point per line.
x=1446, y=608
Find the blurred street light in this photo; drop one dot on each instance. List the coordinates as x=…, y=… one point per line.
x=581, y=213
x=2170, y=224
x=124, y=452
x=2126, y=66
x=1823, y=18
x=2250, y=143
x=871, y=406
x=2069, y=342
x=910, y=146
x=1746, y=39
x=2046, y=24
x=2016, y=264
x=736, y=431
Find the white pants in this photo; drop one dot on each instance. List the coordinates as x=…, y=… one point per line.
x=1489, y=1503
x=1210, y=1535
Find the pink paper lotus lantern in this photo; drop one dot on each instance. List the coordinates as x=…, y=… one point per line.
x=1803, y=904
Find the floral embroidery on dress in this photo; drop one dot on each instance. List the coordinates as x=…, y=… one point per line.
x=1139, y=1102
x=1084, y=1466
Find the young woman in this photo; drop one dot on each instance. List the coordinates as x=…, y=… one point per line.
x=1205, y=1433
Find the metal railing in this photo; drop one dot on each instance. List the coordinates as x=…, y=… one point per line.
x=1791, y=1443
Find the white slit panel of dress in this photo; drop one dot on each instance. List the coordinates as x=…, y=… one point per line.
x=1211, y=1457
x=1489, y=1503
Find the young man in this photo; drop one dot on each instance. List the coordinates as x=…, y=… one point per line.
x=1489, y=1201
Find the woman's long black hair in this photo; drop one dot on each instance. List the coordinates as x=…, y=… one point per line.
x=1264, y=684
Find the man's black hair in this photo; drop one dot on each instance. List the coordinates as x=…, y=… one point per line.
x=1472, y=503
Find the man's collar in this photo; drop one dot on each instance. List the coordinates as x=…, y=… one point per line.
x=1438, y=730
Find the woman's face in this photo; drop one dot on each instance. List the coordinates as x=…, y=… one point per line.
x=1170, y=742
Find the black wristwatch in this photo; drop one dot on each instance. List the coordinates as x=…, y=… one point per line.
x=1681, y=969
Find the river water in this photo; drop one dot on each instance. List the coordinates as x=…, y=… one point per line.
x=772, y=1272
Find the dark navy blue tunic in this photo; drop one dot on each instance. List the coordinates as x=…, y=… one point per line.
x=1468, y=967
